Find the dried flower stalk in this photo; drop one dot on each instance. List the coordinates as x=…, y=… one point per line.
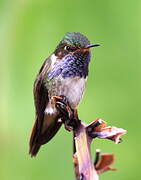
x=84, y=134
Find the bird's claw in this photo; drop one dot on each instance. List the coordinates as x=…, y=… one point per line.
x=64, y=107
x=69, y=116
x=56, y=98
x=64, y=100
x=67, y=126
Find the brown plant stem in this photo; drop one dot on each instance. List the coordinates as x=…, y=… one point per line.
x=85, y=168
x=84, y=133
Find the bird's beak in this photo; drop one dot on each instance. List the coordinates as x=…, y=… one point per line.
x=92, y=45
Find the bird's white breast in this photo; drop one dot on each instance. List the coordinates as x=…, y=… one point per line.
x=72, y=88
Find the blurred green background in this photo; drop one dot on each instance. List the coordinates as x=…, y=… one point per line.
x=29, y=32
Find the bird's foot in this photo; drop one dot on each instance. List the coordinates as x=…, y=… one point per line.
x=56, y=98
x=63, y=105
x=69, y=116
x=67, y=126
x=71, y=124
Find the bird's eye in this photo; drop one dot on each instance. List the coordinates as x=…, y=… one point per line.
x=70, y=49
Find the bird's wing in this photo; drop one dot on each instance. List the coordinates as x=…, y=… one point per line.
x=41, y=100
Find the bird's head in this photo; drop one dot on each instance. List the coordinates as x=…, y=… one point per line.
x=73, y=43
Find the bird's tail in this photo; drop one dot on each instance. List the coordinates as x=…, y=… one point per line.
x=34, y=146
x=34, y=150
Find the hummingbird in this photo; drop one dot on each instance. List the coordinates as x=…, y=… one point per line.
x=63, y=74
